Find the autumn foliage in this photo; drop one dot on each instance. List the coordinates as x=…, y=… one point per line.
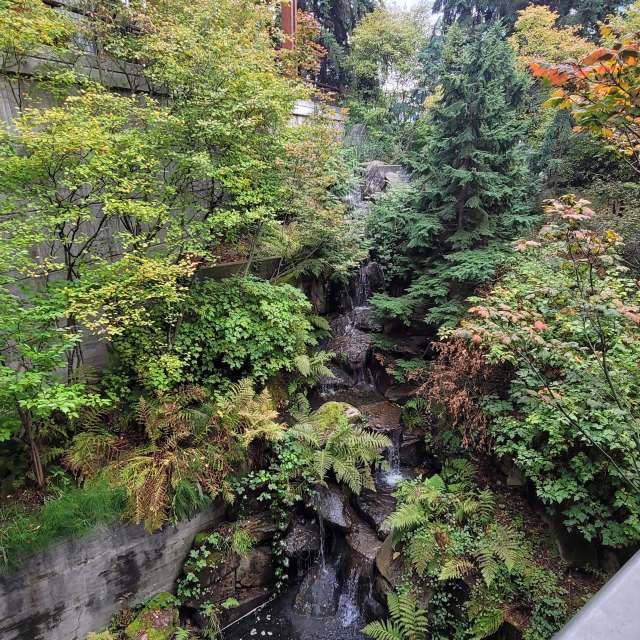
x=602, y=92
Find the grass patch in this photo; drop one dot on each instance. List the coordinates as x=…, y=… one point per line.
x=73, y=513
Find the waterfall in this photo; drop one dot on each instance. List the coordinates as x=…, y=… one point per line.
x=348, y=605
x=394, y=474
x=322, y=537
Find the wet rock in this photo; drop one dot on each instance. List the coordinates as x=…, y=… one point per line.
x=401, y=393
x=350, y=344
x=363, y=318
x=374, y=178
x=363, y=543
x=302, y=539
x=375, y=507
x=389, y=567
x=331, y=504
x=318, y=593
x=261, y=526
x=380, y=176
x=340, y=380
x=157, y=621
x=356, y=136
x=382, y=416
x=412, y=449
x=255, y=569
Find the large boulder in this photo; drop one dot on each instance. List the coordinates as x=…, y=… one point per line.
x=350, y=344
x=382, y=416
x=303, y=539
x=330, y=502
x=363, y=543
x=389, y=564
x=375, y=507
x=261, y=526
x=255, y=569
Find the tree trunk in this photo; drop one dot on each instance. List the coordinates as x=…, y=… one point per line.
x=36, y=460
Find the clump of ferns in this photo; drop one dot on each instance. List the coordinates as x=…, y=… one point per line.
x=348, y=451
x=192, y=441
x=448, y=530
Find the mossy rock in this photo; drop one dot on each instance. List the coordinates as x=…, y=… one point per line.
x=330, y=413
x=157, y=621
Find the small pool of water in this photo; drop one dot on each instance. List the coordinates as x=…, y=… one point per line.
x=278, y=620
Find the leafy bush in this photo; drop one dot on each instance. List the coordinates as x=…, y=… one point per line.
x=449, y=531
x=565, y=321
x=242, y=327
x=73, y=513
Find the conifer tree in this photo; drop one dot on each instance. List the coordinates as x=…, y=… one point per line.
x=472, y=185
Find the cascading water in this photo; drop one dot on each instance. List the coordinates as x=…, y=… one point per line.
x=321, y=557
x=348, y=602
x=393, y=475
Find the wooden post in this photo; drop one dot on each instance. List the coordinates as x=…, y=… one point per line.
x=289, y=10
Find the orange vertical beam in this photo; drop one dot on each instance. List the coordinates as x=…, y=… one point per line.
x=289, y=10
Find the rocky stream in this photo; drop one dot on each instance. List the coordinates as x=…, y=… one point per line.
x=340, y=556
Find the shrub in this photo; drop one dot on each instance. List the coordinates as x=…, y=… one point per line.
x=565, y=321
x=450, y=533
x=186, y=453
x=242, y=327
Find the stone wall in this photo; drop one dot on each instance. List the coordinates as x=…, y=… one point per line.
x=77, y=585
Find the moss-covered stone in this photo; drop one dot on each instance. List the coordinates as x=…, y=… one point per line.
x=157, y=621
x=329, y=413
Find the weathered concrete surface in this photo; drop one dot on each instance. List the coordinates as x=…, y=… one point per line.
x=75, y=586
x=613, y=613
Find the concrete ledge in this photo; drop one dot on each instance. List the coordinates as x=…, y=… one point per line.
x=75, y=586
x=613, y=613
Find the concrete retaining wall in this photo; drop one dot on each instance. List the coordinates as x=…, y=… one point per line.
x=75, y=587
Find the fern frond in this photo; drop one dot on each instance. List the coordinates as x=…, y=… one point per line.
x=456, y=568
x=487, y=622
x=303, y=364
x=383, y=630
x=405, y=517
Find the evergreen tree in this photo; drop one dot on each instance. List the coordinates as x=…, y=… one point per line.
x=337, y=19
x=575, y=12
x=470, y=179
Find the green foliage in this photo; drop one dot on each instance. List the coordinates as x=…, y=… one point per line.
x=337, y=19
x=449, y=532
x=384, y=51
x=190, y=442
x=36, y=403
x=242, y=327
x=335, y=445
x=564, y=319
x=72, y=513
x=470, y=178
x=407, y=620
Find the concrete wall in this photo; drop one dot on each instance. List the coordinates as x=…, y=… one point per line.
x=613, y=613
x=75, y=587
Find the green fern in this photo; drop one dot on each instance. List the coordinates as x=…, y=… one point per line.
x=487, y=622
x=407, y=620
x=336, y=446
